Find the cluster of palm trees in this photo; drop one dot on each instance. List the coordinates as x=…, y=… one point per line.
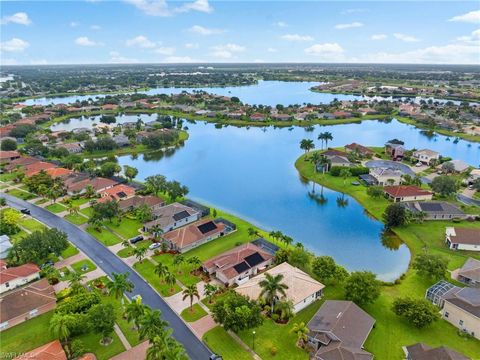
x=168, y=277
x=279, y=236
x=325, y=137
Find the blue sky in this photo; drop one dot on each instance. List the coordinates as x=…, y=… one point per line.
x=161, y=31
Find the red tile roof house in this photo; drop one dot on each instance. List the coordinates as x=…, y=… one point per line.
x=110, y=107
x=59, y=172
x=35, y=168
x=13, y=277
x=99, y=184
x=153, y=202
x=25, y=303
x=403, y=193
x=359, y=149
x=51, y=351
x=20, y=163
x=342, y=114
x=462, y=238
x=238, y=264
x=6, y=157
x=257, y=117
x=193, y=235
x=117, y=193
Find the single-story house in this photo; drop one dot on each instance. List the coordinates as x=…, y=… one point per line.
x=51, y=351
x=238, y=264
x=171, y=216
x=72, y=148
x=459, y=166
x=58, y=172
x=436, y=210
x=257, y=117
x=426, y=156
x=469, y=273
x=5, y=246
x=403, y=193
x=192, y=235
x=459, y=306
x=99, y=184
x=118, y=192
x=121, y=140
x=342, y=114
x=338, y=331
x=421, y=351
x=326, y=116
x=282, y=117
x=337, y=160
x=462, y=238
x=20, y=163
x=36, y=167
x=6, y=157
x=386, y=176
x=13, y=277
x=25, y=303
x=359, y=149
x=302, y=289
x=131, y=203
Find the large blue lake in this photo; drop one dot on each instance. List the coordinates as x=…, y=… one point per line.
x=250, y=172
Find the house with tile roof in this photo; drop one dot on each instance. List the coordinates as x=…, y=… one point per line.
x=13, y=277
x=117, y=193
x=402, y=193
x=6, y=157
x=171, y=216
x=302, y=289
x=51, y=351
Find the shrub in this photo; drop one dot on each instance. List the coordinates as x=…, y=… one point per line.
x=275, y=317
x=273, y=351
x=78, y=304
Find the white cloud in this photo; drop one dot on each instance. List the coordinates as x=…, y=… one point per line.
x=151, y=7
x=95, y=27
x=197, y=5
x=378, y=37
x=197, y=29
x=164, y=50
x=354, y=24
x=353, y=11
x=116, y=58
x=281, y=24
x=85, y=41
x=14, y=45
x=272, y=50
x=470, y=17
x=326, y=51
x=141, y=41
x=74, y=24
x=178, y=59
x=296, y=37
x=17, y=18
x=473, y=38
x=227, y=51
x=192, y=45
x=406, y=38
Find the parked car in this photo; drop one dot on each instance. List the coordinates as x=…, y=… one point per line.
x=47, y=264
x=25, y=211
x=136, y=239
x=215, y=357
x=154, y=246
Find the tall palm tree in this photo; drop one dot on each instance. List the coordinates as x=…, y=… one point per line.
x=175, y=351
x=134, y=311
x=209, y=290
x=156, y=349
x=272, y=286
x=171, y=280
x=307, y=145
x=140, y=253
x=59, y=326
x=302, y=333
x=287, y=239
x=177, y=261
x=315, y=158
x=252, y=232
x=191, y=291
x=327, y=136
x=162, y=271
x=75, y=282
x=151, y=324
x=194, y=261
x=119, y=285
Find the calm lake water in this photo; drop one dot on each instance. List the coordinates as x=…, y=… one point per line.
x=90, y=121
x=250, y=172
x=265, y=92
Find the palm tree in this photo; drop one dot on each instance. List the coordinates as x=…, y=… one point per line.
x=157, y=231
x=302, y=333
x=59, y=326
x=175, y=351
x=150, y=324
x=271, y=286
x=209, y=290
x=327, y=136
x=315, y=158
x=171, y=280
x=125, y=243
x=287, y=239
x=119, y=285
x=89, y=191
x=195, y=262
x=156, y=349
x=162, y=271
x=140, y=253
x=345, y=173
x=134, y=311
x=252, y=232
x=73, y=209
x=286, y=309
x=177, y=261
x=191, y=291
x=75, y=282
x=307, y=145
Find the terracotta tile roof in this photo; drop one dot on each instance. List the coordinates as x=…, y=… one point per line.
x=8, y=154
x=136, y=201
x=405, y=190
x=50, y=351
x=34, y=168
x=58, y=172
x=24, y=160
x=12, y=273
x=190, y=234
x=359, y=148
x=98, y=184
x=118, y=192
x=24, y=300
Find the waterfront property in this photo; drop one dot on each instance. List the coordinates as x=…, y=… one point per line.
x=359, y=150
x=51, y=351
x=117, y=193
x=339, y=330
x=25, y=303
x=421, y=351
x=302, y=289
x=462, y=238
x=14, y=277
x=433, y=210
x=426, y=156
x=395, y=150
x=170, y=217
x=236, y=266
x=469, y=273
x=131, y=203
x=404, y=193
x=458, y=166
x=386, y=176
x=459, y=306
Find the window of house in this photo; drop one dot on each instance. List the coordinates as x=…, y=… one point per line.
x=446, y=314
x=7, y=284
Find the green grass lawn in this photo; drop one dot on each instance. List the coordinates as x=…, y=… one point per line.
x=104, y=236
x=196, y=313
x=18, y=236
x=182, y=272
x=128, y=251
x=41, y=201
x=92, y=344
x=31, y=224
x=69, y=251
x=67, y=273
x=21, y=194
x=77, y=202
x=87, y=211
x=56, y=208
x=146, y=269
x=76, y=219
x=127, y=228
x=223, y=344
x=8, y=176
x=78, y=266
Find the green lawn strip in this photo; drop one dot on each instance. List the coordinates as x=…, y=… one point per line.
x=31, y=224
x=76, y=202
x=14, y=340
x=128, y=251
x=147, y=269
x=8, y=176
x=41, y=201
x=90, y=266
x=56, y=208
x=220, y=342
x=21, y=194
x=87, y=211
x=104, y=236
x=214, y=300
x=196, y=313
x=127, y=228
x=69, y=251
x=182, y=272
x=76, y=219
x=92, y=344
x=67, y=273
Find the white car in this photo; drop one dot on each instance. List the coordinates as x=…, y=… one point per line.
x=154, y=246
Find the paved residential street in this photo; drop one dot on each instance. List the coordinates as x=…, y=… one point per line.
x=110, y=263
